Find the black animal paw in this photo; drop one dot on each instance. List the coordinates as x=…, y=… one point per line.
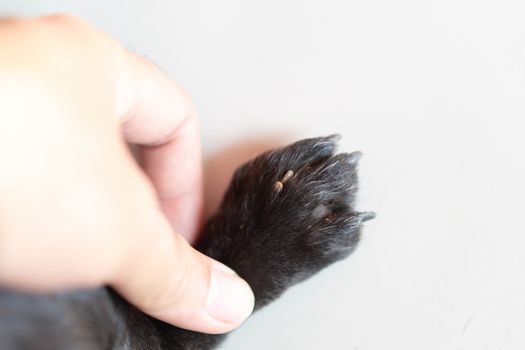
x=287, y=214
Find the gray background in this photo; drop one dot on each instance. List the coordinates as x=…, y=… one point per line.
x=433, y=92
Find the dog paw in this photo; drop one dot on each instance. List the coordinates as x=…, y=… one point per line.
x=287, y=214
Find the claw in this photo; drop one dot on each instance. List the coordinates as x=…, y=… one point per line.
x=367, y=215
x=354, y=157
x=327, y=143
x=333, y=138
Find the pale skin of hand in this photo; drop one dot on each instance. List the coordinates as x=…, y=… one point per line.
x=76, y=211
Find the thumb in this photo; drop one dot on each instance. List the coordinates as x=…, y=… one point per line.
x=168, y=279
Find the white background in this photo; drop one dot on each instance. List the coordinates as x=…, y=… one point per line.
x=433, y=93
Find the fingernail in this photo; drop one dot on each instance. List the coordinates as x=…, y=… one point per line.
x=230, y=299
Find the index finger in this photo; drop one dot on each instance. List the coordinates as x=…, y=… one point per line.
x=160, y=117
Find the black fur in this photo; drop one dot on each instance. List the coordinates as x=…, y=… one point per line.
x=286, y=215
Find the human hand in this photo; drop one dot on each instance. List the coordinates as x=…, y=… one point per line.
x=76, y=211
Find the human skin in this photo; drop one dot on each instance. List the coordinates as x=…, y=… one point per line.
x=76, y=210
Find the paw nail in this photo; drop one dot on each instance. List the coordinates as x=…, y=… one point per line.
x=334, y=137
x=367, y=215
x=354, y=157
x=278, y=186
